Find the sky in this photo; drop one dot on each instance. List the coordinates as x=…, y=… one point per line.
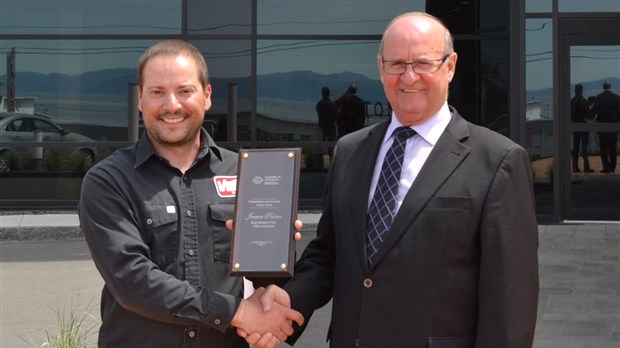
x=588, y=63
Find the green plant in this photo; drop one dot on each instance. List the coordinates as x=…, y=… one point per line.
x=104, y=152
x=52, y=160
x=74, y=329
x=80, y=161
x=308, y=157
x=8, y=161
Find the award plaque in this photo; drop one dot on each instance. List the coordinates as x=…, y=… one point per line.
x=265, y=211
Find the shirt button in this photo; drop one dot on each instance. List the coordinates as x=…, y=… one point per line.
x=189, y=213
x=192, y=333
x=368, y=283
x=149, y=221
x=191, y=252
x=217, y=322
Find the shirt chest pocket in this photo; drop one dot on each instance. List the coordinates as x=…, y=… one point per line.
x=218, y=214
x=161, y=233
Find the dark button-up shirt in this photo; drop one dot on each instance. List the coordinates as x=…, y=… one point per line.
x=159, y=240
x=579, y=109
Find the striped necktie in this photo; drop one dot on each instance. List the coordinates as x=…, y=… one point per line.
x=381, y=211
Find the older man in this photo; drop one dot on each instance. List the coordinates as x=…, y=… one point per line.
x=428, y=236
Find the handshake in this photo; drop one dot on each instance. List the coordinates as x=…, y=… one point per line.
x=265, y=319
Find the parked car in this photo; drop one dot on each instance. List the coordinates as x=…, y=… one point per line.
x=18, y=128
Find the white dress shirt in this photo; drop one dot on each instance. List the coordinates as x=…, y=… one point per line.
x=417, y=150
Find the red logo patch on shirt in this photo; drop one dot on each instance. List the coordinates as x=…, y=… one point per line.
x=226, y=186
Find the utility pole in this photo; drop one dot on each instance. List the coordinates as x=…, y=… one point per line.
x=10, y=76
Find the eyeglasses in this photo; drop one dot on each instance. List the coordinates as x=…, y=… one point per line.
x=427, y=66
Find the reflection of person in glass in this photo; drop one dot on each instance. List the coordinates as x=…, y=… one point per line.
x=607, y=109
x=327, y=113
x=579, y=112
x=352, y=112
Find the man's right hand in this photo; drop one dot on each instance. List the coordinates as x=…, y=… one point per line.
x=253, y=318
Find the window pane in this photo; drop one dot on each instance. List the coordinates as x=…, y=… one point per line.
x=592, y=65
x=363, y=17
x=494, y=16
x=216, y=17
x=539, y=109
x=479, y=88
x=465, y=96
x=543, y=6
x=82, y=85
x=229, y=63
x=589, y=6
x=494, y=70
x=90, y=17
x=292, y=73
x=539, y=65
x=470, y=17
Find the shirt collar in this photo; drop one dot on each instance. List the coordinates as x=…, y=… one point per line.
x=430, y=130
x=144, y=148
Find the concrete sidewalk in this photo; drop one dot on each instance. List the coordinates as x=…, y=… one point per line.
x=46, y=268
x=30, y=227
x=579, y=271
x=579, y=282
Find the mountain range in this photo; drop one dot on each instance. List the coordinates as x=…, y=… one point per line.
x=296, y=85
x=590, y=88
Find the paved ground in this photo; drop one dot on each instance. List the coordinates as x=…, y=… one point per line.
x=579, y=286
x=579, y=276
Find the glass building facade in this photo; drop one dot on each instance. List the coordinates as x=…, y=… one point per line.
x=70, y=67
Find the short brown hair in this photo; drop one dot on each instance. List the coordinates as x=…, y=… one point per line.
x=175, y=48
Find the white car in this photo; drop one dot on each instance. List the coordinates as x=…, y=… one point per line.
x=18, y=127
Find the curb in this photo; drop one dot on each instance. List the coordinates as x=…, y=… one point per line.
x=22, y=234
x=49, y=227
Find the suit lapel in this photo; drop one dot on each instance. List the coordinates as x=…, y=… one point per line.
x=446, y=156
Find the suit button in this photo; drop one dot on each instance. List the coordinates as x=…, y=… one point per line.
x=368, y=283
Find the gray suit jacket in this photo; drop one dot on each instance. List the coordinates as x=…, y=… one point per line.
x=459, y=266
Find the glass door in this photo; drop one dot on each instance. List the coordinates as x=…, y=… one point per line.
x=589, y=119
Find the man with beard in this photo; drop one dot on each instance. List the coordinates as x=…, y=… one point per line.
x=153, y=215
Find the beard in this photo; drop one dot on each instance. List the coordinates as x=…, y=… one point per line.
x=179, y=137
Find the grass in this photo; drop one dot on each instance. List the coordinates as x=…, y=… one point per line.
x=74, y=329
